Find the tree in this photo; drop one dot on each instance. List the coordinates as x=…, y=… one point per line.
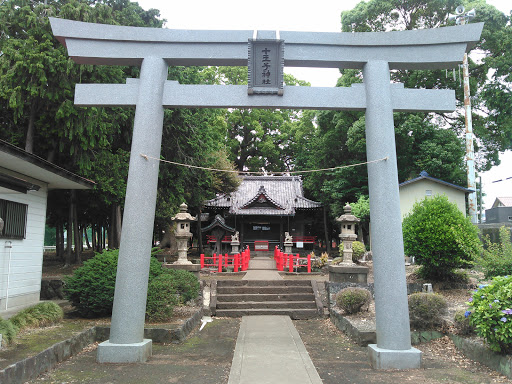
x=440, y=237
x=37, y=81
x=489, y=82
x=424, y=141
x=258, y=139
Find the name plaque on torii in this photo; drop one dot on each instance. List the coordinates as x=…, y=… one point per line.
x=376, y=53
x=265, y=65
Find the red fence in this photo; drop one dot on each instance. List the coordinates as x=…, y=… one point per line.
x=213, y=239
x=289, y=261
x=239, y=261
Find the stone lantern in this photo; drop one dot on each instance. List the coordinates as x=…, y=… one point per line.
x=183, y=234
x=348, y=233
x=348, y=271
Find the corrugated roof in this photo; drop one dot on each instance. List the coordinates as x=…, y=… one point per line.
x=282, y=196
x=502, y=202
x=425, y=175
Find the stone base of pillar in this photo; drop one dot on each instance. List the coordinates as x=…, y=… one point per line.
x=348, y=273
x=124, y=353
x=194, y=268
x=288, y=248
x=394, y=359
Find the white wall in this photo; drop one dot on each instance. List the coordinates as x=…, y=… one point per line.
x=415, y=192
x=26, y=256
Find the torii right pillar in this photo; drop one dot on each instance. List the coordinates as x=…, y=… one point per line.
x=393, y=349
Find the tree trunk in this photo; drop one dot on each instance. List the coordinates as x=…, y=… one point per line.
x=169, y=239
x=69, y=230
x=326, y=232
x=93, y=238
x=119, y=223
x=29, y=142
x=114, y=233
x=78, y=253
x=87, y=238
x=59, y=242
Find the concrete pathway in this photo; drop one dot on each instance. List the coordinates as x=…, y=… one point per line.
x=269, y=350
x=262, y=268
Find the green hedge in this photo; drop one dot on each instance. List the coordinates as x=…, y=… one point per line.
x=91, y=287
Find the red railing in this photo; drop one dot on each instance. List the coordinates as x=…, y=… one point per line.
x=239, y=261
x=289, y=261
x=213, y=239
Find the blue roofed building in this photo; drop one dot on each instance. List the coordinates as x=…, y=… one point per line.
x=415, y=190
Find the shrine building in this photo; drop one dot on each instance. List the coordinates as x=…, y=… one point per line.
x=263, y=208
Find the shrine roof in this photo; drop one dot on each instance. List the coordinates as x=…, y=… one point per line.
x=265, y=195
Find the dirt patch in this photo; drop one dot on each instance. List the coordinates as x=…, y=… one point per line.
x=339, y=360
x=204, y=358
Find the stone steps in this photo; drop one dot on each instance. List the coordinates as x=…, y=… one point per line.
x=263, y=283
x=295, y=298
x=266, y=304
x=295, y=314
x=250, y=290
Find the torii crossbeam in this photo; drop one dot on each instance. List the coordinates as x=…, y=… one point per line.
x=156, y=49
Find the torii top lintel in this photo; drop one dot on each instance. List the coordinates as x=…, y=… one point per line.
x=90, y=43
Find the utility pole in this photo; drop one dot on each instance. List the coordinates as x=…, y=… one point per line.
x=460, y=19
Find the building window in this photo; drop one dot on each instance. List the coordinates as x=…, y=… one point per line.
x=14, y=216
x=428, y=192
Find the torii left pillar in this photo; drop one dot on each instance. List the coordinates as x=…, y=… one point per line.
x=127, y=343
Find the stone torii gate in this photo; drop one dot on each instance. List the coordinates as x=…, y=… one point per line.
x=156, y=49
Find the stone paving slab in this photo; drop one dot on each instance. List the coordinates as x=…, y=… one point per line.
x=262, y=275
x=262, y=268
x=270, y=350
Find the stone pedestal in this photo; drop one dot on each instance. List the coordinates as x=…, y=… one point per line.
x=288, y=248
x=352, y=273
x=235, y=247
x=182, y=241
x=194, y=268
x=124, y=353
x=381, y=358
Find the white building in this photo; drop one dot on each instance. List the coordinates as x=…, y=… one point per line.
x=415, y=190
x=25, y=180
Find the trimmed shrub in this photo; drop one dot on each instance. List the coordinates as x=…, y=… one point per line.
x=91, y=287
x=440, y=238
x=39, y=315
x=461, y=323
x=358, y=250
x=353, y=299
x=185, y=284
x=426, y=310
x=7, y=330
x=496, y=259
x=491, y=313
x=162, y=297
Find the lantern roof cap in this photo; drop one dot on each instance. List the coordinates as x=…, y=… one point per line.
x=348, y=217
x=183, y=215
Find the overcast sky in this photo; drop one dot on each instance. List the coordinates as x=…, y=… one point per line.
x=288, y=15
